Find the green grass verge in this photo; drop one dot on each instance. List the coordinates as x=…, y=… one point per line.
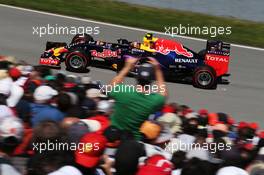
x=243, y=32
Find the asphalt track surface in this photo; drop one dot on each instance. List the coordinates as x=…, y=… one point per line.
x=243, y=98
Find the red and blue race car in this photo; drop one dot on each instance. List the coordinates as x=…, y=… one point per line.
x=204, y=69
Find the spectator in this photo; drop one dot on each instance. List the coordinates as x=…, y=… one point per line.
x=94, y=94
x=126, y=162
x=77, y=130
x=256, y=168
x=178, y=160
x=198, y=167
x=66, y=170
x=131, y=109
x=34, y=80
x=5, y=85
x=42, y=109
x=156, y=164
x=88, y=156
x=150, y=130
x=184, y=140
x=6, y=112
x=40, y=162
x=16, y=93
x=64, y=102
x=89, y=107
x=113, y=136
x=11, y=133
x=231, y=170
x=104, y=107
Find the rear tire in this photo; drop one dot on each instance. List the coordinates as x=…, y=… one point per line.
x=82, y=38
x=77, y=61
x=204, y=77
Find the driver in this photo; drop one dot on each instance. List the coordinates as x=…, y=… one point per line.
x=148, y=43
x=135, y=45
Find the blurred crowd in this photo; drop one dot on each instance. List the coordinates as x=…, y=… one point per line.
x=63, y=124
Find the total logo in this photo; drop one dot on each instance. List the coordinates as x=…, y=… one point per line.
x=105, y=54
x=181, y=60
x=48, y=61
x=215, y=58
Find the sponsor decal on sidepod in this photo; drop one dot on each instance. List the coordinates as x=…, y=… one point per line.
x=164, y=47
x=105, y=54
x=215, y=58
x=181, y=60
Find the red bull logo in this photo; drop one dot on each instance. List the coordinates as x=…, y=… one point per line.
x=105, y=54
x=164, y=47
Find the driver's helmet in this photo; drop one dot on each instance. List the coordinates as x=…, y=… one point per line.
x=59, y=50
x=149, y=40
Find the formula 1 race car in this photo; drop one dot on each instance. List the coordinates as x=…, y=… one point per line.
x=204, y=69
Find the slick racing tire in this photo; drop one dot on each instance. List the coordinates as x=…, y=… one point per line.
x=77, y=61
x=82, y=38
x=204, y=77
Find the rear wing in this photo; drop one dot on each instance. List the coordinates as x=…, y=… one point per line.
x=217, y=56
x=218, y=47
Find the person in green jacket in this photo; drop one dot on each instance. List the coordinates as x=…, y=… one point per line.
x=134, y=104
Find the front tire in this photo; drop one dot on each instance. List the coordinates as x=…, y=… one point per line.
x=204, y=77
x=77, y=61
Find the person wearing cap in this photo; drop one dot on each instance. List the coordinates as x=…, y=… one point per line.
x=9, y=88
x=76, y=127
x=131, y=109
x=104, y=107
x=42, y=108
x=14, y=73
x=231, y=170
x=89, y=158
x=94, y=94
x=11, y=134
x=113, y=136
x=156, y=164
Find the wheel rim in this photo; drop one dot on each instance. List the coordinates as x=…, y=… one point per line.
x=76, y=62
x=204, y=78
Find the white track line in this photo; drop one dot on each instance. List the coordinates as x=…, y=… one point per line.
x=120, y=26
